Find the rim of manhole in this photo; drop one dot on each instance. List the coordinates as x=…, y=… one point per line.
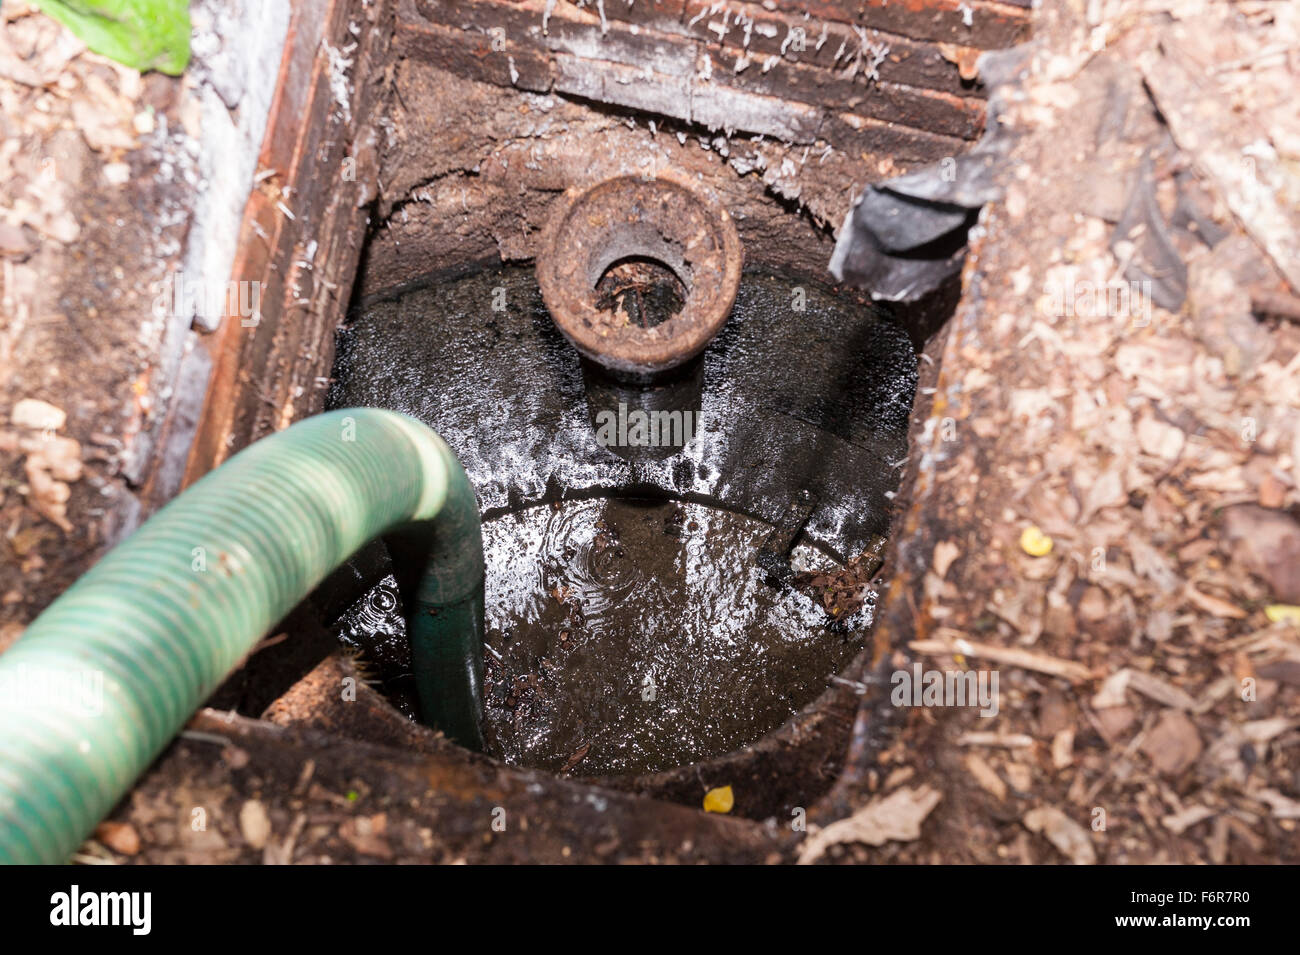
x=665, y=218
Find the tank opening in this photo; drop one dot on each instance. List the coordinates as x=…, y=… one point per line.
x=734, y=565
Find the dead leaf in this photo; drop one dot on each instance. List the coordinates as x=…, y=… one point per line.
x=966, y=59
x=720, y=799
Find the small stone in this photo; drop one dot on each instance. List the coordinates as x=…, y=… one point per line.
x=38, y=415
x=121, y=837
x=254, y=823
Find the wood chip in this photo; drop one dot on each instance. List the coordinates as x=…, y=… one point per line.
x=13, y=67
x=1114, y=690
x=945, y=552
x=1180, y=822
x=1063, y=748
x=1154, y=688
x=986, y=775
x=1261, y=731
x=367, y=834
x=1069, y=837
x=1284, y=807
x=893, y=818
x=1213, y=605
x=282, y=853
x=1009, y=740
x=1173, y=744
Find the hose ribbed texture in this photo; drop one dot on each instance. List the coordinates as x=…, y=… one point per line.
x=110, y=672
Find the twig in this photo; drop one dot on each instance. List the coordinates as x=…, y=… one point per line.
x=1025, y=659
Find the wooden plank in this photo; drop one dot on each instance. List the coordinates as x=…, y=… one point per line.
x=265, y=376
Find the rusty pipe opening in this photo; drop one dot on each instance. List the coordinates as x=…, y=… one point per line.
x=640, y=273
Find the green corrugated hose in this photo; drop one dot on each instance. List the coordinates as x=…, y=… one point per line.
x=110, y=672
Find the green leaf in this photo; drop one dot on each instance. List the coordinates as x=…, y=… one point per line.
x=143, y=34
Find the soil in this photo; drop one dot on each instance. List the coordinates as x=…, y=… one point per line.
x=96, y=175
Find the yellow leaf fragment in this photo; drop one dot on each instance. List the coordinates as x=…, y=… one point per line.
x=1034, y=542
x=1279, y=612
x=720, y=799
